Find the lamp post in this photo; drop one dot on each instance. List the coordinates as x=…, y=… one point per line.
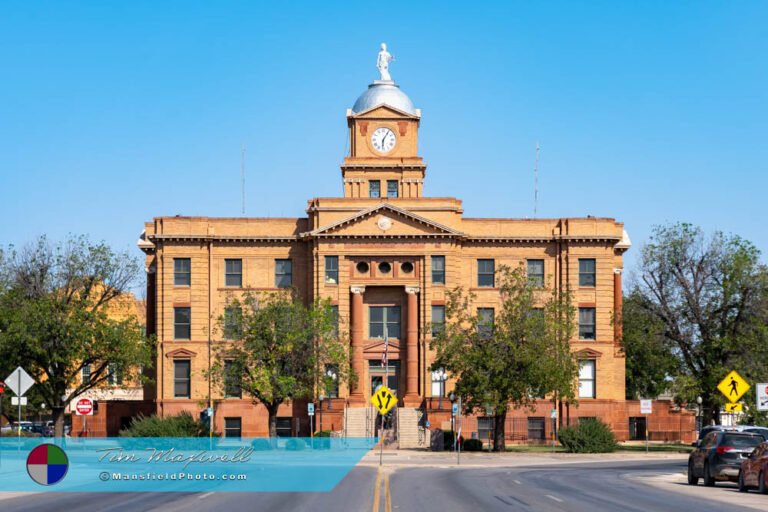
x=441, y=376
x=699, y=419
x=452, y=398
x=333, y=376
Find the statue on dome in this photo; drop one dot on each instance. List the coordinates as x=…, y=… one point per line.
x=382, y=62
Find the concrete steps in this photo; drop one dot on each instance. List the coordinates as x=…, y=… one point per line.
x=411, y=433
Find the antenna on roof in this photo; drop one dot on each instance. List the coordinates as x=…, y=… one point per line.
x=536, y=183
x=242, y=176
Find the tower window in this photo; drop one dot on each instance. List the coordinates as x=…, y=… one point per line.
x=586, y=323
x=182, y=322
x=233, y=273
x=374, y=188
x=332, y=269
x=536, y=273
x=392, y=188
x=182, y=270
x=486, y=269
x=587, y=272
x=438, y=269
x=384, y=318
x=283, y=273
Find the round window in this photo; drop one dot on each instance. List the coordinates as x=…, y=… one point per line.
x=407, y=267
x=362, y=267
x=385, y=268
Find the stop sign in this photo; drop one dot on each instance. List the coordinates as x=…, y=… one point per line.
x=84, y=407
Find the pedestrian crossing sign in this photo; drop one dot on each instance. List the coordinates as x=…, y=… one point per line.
x=733, y=386
x=383, y=400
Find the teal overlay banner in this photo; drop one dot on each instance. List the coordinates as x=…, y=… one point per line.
x=183, y=464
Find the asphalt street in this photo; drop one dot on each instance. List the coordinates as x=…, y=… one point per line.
x=605, y=486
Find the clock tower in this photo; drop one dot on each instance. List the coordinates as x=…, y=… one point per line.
x=383, y=160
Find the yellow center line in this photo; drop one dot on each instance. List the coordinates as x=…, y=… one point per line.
x=377, y=492
x=387, y=494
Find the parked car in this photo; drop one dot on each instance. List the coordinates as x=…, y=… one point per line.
x=763, y=431
x=754, y=470
x=719, y=456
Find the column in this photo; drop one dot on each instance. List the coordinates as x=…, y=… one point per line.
x=617, y=305
x=356, y=395
x=412, y=398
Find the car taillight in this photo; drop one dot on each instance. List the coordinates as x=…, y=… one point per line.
x=722, y=449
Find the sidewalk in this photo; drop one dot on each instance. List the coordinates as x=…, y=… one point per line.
x=418, y=458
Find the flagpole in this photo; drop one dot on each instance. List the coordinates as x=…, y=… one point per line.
x=385, y=362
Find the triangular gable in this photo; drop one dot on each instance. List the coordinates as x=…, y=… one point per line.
x=385, y=209
x=181, y=353
x=384, y=106
x=587, y=353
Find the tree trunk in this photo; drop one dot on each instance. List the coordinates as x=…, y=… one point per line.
x=498, y=431
x=57, y=413
x=710, y=412
x=272, y=410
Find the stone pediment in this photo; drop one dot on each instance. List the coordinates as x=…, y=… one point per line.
x=181, y=353
x=384, y=112
x=587, y=353
x=385, y=220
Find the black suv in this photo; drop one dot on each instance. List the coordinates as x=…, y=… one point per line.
x=719, y=456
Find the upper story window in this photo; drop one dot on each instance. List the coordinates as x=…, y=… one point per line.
x=485, y=321
x=283, y=273
x=438, y=320
x=182, y=272
x=182, y=320
x=181, y=378
x=374, y=188
x=233, y=273
x=332, y=269
x=586, y=323
x=232, y=381
x=233, y=320
x=587, y=379
x=486, y=270
x=438, y=269
x=536, y=273
x=392, y=188
x=587, y=272
x=86, y=374
x=384, y=318
x=115, y=375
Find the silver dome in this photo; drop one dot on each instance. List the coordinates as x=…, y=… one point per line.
x=379, y=93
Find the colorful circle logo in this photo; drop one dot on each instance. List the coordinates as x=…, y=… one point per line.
x=47, y=464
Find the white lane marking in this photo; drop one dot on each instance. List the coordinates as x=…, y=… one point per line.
x=202, y=496
x=517, y=482
x=553, y=498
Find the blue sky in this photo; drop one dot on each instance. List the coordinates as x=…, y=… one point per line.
x=112, y=113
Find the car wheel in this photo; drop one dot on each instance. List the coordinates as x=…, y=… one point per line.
x=742, y=485
x=692, y=478
x=709, y=481
x=761, y=484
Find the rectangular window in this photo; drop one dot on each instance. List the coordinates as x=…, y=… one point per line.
x=536, y=273
x=284, y=427
x=587, y=379
x=283, y=273
x=182, y=272
x=587, y=272
x=115, y=376
x=485, y=428
x=233, y=323
x=233, y=273
x=536, y=429
x=232, y=381
x=486, y=269
x=384, y=317
x=335, y=314
x=86, y=374
x=586, y=323
x=182, y=320
x=332, y=269
x=233, y=427
x=438, y=382
x=374, y=188
x=637, y=428
x=392, y=188
x=438, y=269
x=485, y=319
x=438, y=320
x=181, y=378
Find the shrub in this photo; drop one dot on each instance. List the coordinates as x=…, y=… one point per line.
x=472, y=445
x=448, y=440
x=262, y=444
x=295, y=444
x=589, y=436
x=323, y=433
x=181, y=425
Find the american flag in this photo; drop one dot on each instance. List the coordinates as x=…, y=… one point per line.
x=385, y=354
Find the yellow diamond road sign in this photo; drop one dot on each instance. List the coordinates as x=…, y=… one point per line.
x=383, y=400
x=733, y=407
x=733, y=386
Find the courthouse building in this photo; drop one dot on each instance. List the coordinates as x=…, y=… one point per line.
x=385, y=253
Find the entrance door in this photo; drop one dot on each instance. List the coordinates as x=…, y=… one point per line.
x=377, y=373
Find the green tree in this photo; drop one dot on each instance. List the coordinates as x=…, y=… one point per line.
x=55, y=318
x=705, y=298
x=521, y=354
x=283, y=352
x=650, y=359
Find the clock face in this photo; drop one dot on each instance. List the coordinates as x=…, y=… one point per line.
x=383, y=139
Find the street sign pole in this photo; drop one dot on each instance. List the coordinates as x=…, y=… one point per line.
x=19, y=417
x=458, y=435
x=646, y=433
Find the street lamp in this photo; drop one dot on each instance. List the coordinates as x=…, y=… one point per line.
x=333, y=376
x=698, y=407
x=440, y=375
